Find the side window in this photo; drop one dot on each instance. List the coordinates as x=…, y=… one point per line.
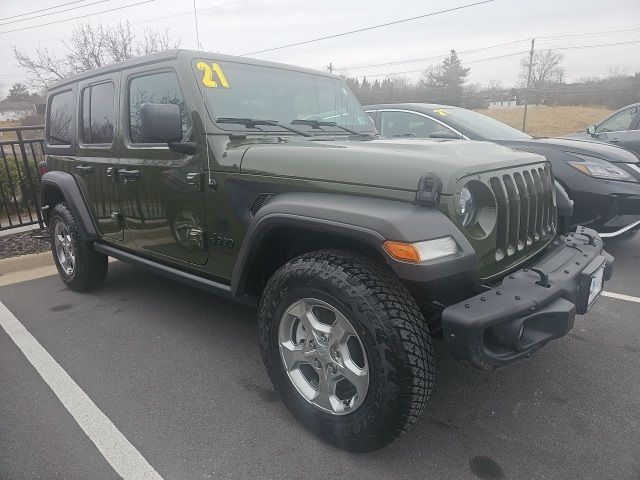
x=620, y=121
x=98, y=113
x=406, y=124
x=155, y=88
x=60, y=119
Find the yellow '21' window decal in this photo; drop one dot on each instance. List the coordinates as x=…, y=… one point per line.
x=209, y=70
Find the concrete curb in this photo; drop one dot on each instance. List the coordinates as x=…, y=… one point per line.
x=25, y=262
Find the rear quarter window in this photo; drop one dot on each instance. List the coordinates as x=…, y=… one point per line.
x=60, y=119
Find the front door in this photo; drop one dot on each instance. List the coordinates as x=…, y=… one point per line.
x=162, y=195
x=96, y=159
x=617, y=129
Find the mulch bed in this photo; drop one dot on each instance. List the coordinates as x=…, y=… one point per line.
x=24, y=243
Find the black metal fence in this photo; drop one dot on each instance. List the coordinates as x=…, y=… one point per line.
x=21, y=150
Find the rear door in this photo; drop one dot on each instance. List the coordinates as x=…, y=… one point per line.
x=162, y=195
x=96, y=155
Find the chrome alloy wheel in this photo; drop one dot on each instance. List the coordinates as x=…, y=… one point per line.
x=65, y=249
x=323, y=356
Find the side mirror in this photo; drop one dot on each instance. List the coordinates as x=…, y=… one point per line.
x=450, y=135
x=161, y=122
x=591, y=130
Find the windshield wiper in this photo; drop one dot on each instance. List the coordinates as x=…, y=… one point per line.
x=254, y=122
x=319, y=123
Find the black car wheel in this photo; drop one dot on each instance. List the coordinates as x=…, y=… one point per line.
x=346, y=347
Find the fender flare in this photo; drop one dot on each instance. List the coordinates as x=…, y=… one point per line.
x=369, y=220
x=57, y=184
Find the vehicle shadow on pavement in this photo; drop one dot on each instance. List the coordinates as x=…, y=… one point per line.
x=180, y=373
x=533, y=418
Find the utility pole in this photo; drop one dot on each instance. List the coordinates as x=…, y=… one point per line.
x=526, y=96
x=330, y=67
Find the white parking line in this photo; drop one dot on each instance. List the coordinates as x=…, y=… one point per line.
x=125, y=459
x=620, y=296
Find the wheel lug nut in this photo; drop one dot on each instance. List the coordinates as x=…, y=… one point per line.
x=317, y=363
x=312, y=344
x=323, y=338
x=332, y=369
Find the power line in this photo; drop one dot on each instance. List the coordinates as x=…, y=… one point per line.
x=579, y=47
x=395, y=22
x=200, y=10
x=591, y=34
x=491, y=47
x=472, y=61
x=42, y=9
x=137, y=23
x=414, y=60
x=576, y=47
x=52, y=13
x=79, y=16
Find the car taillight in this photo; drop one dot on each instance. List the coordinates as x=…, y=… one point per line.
x=42, y=167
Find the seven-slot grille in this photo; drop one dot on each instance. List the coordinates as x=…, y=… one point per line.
x=526, y=208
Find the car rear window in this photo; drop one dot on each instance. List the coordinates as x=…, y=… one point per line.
x=60, y=119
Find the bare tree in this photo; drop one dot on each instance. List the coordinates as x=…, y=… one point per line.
x=494, y=88
x=91, y=46
x=617, y=72
x=546, y=70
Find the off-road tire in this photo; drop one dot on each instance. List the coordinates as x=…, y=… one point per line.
x=90, y=266
x=392, y=330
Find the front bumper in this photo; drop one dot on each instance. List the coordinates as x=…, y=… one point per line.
x=531, y=307
x=606, y=206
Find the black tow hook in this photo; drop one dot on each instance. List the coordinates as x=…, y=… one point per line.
x=544, y=278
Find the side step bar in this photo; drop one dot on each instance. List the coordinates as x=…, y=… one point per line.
x=205, y=284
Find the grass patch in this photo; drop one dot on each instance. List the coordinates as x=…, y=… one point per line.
x=549, y=121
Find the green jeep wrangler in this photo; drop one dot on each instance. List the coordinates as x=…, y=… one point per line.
x=268, y=184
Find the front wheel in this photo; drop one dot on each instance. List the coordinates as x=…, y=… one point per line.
x=346, y=347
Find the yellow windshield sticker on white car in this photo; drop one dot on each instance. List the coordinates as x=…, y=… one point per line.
x=209, y=70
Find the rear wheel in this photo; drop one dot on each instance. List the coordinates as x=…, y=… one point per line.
x=79, y=265
x=346, y=347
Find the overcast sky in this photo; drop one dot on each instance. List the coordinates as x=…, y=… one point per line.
x=243, y=26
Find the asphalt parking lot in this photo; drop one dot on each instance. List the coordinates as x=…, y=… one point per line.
x=179, y=374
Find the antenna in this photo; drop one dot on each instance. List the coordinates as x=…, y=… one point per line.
x=210, y=181
x=195, y=16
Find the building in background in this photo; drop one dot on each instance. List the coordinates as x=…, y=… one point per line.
x=14, y=110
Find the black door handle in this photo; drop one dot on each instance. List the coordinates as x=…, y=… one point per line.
x=129, y=174
x=84, y=168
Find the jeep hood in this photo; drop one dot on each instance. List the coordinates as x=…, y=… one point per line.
x=389, y=163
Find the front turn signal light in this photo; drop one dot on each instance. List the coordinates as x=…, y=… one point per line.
x=402, y=251
x=422, y=251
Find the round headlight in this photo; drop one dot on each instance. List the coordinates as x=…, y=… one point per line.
x=466, y=206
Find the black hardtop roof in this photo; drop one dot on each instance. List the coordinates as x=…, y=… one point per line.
x=174, y=54
x=418, y=107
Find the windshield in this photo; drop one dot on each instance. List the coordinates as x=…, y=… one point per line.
x=241, y=91
x=480, y=125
